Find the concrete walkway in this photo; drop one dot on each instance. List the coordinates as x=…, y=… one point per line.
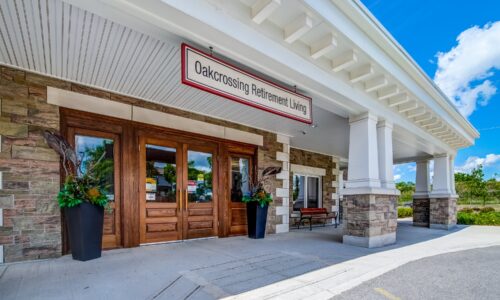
x=295, y=265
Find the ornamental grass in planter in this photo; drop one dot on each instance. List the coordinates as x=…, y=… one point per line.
x=258, y=202
x=82, y=198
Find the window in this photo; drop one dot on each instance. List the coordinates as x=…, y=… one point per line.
x=306, y=191
x=89, y=150
x=240, y=178
x=161, y=174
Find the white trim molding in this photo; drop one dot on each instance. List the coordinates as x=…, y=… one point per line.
x=306, y=170
x=119, y=110
x=284, y=191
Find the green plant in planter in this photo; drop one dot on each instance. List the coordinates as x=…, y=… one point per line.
x=258, y=191
x=87, y=185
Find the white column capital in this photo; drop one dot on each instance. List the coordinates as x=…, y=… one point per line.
x=385, y=124
x=422, y=179
x=363, y=152
x=363, y=116
x=442, y=180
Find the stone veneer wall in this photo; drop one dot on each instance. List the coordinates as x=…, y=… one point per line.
x=370, y=219
x=29, y=179
x=29, y=170
x=443, y=212
x=421, y=208
x=329, y=181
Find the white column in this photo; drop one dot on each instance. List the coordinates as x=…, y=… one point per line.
x=452, y=174
x=363, y=152
x=422, y=179
x=384, y=141
x=441, y=182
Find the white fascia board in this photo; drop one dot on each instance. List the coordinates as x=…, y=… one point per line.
x=336, y=12
x=262, y=9
x=240, y=38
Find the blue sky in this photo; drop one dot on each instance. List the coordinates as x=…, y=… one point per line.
x=457, y=43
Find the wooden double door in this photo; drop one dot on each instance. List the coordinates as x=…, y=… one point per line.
x=177, y=189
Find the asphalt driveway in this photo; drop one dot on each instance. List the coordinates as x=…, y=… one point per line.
x=471, y=274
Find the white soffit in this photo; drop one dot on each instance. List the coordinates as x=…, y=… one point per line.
x=61, y=40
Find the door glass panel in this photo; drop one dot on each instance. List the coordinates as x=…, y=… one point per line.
x=199, y=186
x=161, y=174
x=298, y=192
x=89, y=149
x=240, y=181
x=312, y=192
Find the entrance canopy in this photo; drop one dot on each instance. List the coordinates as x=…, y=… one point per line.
x=332, y=51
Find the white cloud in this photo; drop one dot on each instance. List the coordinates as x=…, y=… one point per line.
x=463, y=71
x=397, y=177
x=474, y=161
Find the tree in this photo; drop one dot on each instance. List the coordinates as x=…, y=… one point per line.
x=407, y=189
x=472, y=185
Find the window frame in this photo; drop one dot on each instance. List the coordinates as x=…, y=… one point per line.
x=320, y=187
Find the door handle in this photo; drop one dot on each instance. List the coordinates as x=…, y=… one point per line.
x=186, y=197
x=180, y=200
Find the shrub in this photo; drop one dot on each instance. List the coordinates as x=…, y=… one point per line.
x=405, y=212
x=467, y=210
x=482, y=218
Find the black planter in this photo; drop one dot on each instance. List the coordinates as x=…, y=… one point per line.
x=85, y=223
x=256, y=219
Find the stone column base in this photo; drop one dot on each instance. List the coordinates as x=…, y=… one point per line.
x=370, y=242
x=370, y=220
x=421, y=212
x=443, y=212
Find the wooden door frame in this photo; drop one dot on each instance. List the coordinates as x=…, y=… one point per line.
x=117, y=160
x=129, y=132
x=251, y=175
x=227, y=150
x=143, y=141
x=213, y=149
